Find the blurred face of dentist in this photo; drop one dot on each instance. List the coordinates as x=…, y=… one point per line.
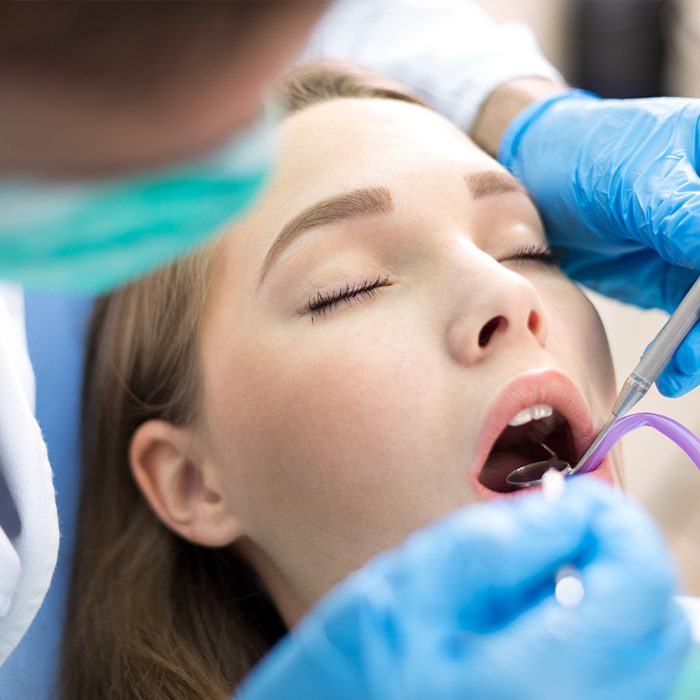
x=95, y=90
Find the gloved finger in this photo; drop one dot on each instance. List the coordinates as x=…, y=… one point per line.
x=579, y=663
x=611, y=275
x=637, y=276
x=682, y=374
x=659, y=660
x=494, y=559
x=657, y=283
x=672, y=214
x=673, y=384
x=675, y=282
x=639, y=668
x=628, y=637
x=630, y=582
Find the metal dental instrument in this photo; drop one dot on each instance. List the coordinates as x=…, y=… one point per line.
x=652, y=362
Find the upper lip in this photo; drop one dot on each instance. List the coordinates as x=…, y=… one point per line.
x=536, y=387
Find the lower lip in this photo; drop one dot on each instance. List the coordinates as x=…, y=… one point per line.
x=604, y=472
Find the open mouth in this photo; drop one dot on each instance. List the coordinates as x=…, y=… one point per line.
x=540, y=415
x=534, y=434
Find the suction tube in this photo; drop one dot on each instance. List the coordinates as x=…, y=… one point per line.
x=672, y=429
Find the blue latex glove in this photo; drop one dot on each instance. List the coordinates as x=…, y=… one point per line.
x=617, y=185
x=465, y=609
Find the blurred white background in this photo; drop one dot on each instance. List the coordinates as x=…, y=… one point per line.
x=581, y=39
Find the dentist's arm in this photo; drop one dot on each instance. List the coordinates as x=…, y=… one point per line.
x=450, y=52
x=466, y=609
x=500, y=108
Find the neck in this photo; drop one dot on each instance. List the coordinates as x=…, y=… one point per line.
x=289, y=602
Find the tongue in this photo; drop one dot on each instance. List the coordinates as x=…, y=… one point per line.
x=499, y=465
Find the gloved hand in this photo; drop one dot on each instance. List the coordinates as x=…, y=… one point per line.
x=617, y=185
x=465, y=609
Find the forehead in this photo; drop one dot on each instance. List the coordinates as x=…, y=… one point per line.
x=347, y=144
x=352, y=143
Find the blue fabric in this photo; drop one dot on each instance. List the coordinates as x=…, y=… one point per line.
x=55, y=333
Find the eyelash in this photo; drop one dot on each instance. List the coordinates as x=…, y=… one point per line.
x=324, y=302
x=537, y=252
x=321, y=302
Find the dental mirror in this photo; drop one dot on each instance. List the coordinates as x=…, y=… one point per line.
x=531, y=474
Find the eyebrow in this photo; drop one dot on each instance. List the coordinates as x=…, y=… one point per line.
x=372, y=201
x=364, y=202
x=491, y=182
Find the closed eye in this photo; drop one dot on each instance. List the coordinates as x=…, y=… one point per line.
x=323, y=302
x=538, y=252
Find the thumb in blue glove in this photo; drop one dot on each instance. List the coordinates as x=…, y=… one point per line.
x=616, y=182
x=464, y=609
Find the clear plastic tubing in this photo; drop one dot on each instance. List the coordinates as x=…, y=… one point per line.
x=672, y=429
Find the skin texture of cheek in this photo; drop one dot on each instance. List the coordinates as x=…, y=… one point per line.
x=342, y=453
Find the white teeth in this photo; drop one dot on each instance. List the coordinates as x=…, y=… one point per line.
x=536, y=412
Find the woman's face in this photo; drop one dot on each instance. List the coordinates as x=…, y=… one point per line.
x=340, y=429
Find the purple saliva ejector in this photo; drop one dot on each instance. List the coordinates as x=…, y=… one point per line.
x=652, y=362
x=682, y=436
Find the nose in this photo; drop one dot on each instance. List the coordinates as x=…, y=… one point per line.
x=504, y=310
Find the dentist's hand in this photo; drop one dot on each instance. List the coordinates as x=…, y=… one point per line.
x=617, y=185
x=465, y=609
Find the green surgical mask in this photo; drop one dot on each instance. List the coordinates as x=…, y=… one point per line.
x=89, y=237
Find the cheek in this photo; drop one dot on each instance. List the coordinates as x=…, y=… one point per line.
x=577, y=338
x=335, y=442
x=329, y=421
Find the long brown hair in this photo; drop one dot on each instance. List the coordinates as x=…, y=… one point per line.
x=151, y=615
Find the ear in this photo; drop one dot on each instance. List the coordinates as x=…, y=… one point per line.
x=180, y=486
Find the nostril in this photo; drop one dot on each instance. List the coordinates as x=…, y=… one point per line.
x=533, y=322
x=489, y=329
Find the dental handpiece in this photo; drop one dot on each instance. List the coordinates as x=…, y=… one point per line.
x=653, y=360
